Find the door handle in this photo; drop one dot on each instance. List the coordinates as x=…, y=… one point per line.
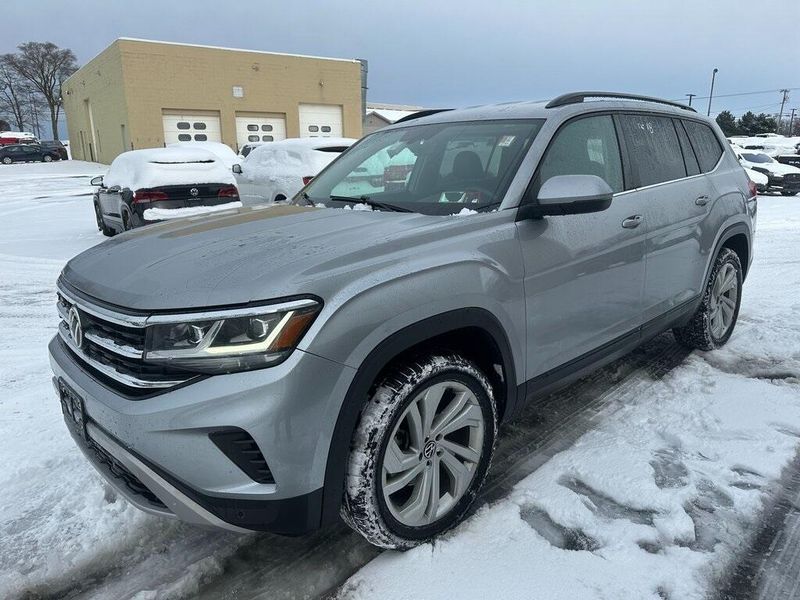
x=701, y=200
x=632, y=222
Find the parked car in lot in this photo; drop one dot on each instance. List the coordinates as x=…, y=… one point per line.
x=141, y=184
x=276, y=367
x=7, y=138
x=245, y=150
x=761, y=180
x=278, y=170
x=781, y=177
x=27, y=153
x=57, y=146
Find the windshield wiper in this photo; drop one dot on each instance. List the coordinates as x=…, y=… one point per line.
x=367, y=201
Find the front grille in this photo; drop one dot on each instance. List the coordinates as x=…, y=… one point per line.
x=792, y=177
x=113, y=349
x=242, y=450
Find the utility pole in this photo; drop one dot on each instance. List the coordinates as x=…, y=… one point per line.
x=791, y=123
x=783, y=101
x=711, y=94
x=690, y=98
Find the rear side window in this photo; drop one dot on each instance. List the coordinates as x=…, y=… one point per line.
x=586, y=146
x=706, y=145
x=692, y=167
x=653, y=148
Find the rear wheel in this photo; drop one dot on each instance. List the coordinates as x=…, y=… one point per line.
x=47, y=158
x=126, y=220
x=101, y=224
x=421, y=451
x=713, y=323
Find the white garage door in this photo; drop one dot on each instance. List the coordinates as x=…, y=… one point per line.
x=320, y=120
x=191, y=128
x=260, y=129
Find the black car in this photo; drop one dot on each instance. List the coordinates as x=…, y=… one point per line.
x=56, y=145
x=146, y=186
x=27, y=153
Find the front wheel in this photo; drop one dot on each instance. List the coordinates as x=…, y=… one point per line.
x=7, y=160
x=101, y=223
x=713, y=323
x=47, y=158
x=420, y=452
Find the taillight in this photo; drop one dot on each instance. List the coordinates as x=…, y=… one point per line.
x=307, y=179
x=228, y=191
x=140, y=196
x=751, y=185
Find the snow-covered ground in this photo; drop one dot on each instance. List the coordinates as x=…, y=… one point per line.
x=652, y=501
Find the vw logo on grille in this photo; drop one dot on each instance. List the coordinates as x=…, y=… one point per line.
x=194, y=191
x=75, y=327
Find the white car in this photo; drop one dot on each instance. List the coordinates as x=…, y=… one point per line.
x=222, y=151
x=780, y=178
x=278, y=170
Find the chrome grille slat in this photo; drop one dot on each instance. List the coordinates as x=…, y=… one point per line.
x=110, y=371
x=113, y=346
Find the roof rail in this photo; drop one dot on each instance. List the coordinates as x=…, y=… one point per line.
x=420, y=114
x=577, y=97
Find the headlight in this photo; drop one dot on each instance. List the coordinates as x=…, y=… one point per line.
x=229, y=340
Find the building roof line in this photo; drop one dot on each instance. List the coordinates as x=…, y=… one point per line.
x=130, y=39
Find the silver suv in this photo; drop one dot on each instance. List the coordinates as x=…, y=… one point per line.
x=354, y=351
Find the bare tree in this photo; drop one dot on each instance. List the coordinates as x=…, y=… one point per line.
x=45, y=66
x=13, y=96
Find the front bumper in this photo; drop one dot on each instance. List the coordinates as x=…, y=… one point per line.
x=157, y=451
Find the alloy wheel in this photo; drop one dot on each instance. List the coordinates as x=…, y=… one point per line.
x=432, y=454
x=724, y=297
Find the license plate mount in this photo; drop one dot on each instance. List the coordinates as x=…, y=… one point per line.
x=74, y=409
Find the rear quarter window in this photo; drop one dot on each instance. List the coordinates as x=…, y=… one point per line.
x=705, y=143
x=653, y=148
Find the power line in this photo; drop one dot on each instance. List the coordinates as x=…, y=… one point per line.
x=741, y=94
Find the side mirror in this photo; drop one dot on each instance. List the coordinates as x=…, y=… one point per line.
x=237, y=169
x=97, y=180
x=571, y=195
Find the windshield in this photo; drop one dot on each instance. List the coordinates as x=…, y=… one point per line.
x=435, y=169
x=757, y=158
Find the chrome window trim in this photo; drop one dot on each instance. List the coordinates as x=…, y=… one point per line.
x=111, y=372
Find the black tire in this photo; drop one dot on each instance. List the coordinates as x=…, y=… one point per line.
x=101, y=224
x=365, y=508
x=7, y=160
x=786, y=193
x=126, y=220
x=698, y=333
x=47, y=158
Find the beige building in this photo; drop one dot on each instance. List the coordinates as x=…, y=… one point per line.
x=145, y=94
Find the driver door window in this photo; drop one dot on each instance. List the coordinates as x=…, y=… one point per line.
x=585, y=146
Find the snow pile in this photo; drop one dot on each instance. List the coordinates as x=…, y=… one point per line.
x=159, y=214
x=156, y=167
x=465, y=212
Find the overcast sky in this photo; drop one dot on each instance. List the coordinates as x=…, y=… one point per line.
x=463, y=52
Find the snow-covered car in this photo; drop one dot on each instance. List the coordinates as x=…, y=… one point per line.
x=761, y=180
x=145, y=186
x=781, y=178
x=278, y=170
x=222, y=151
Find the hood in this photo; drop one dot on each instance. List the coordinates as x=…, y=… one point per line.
x=251, y=254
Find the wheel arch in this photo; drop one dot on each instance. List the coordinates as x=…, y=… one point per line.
x=737, y=237
x=450, y=330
